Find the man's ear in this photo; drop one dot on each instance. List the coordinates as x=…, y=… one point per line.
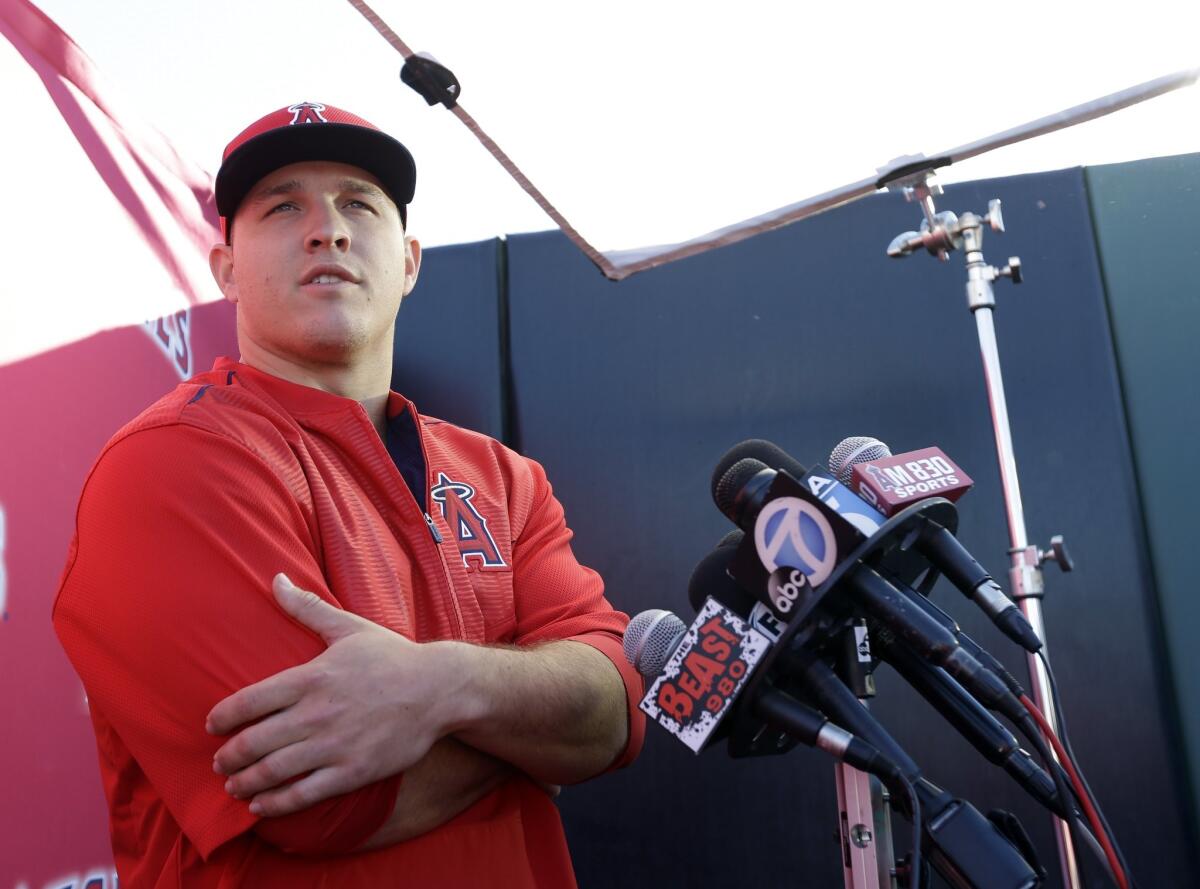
x=412, y=263
x=220, y=263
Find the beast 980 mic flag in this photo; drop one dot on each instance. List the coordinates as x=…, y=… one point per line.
x=695, y=672
x=656, y=639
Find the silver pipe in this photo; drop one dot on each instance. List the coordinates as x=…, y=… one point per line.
x=1025, y=576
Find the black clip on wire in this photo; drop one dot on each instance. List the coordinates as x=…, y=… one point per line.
x=433, y=80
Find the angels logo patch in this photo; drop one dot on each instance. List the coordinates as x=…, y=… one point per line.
x=470, y=528
x=307, y=112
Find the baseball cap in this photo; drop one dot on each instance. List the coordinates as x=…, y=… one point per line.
x=310, y=131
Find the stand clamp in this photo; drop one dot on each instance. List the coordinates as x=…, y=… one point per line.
x=1025, y=576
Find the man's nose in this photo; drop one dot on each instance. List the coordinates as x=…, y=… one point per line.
x=328, y=229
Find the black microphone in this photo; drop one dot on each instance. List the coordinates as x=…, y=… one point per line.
x=938, y=645
x=944, y=550
x=966, y=848
x=711, y=578
x=819, y=682
x=711, y=573
x=951, y=700
x=969, y=718
x=652, y=638
x=951, y=558
x=974, y=648
x=759, y=449
x=744, y=490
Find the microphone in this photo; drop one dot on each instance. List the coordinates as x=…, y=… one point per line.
x=650, y=639
x=965, y=847
x=711, y=578
x=974, y=648
x=853, y=461
x=969, y=718
x=759, y=449
x=654, y=636
x=748, y=491
x=951, y=700
x=897, y=612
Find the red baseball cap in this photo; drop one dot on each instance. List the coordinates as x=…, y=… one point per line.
x=310, y=131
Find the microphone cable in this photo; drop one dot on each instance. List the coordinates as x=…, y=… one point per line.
x=1029, y=728
x=918, y=832
x=1062, y=744
x=1114, y=866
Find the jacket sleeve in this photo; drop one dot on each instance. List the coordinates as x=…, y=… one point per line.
x=165, y=608
x=557, y=598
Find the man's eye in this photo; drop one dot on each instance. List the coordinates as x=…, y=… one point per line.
x=286, y=205
x=360, y=204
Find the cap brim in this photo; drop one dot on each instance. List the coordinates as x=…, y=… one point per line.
x=374, y=151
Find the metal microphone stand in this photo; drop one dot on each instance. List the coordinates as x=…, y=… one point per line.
x=864, y=822
x=941, y=233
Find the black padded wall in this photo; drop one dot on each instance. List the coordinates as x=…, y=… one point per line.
x=629, y=393
x=1145, y=216
x=448, y=347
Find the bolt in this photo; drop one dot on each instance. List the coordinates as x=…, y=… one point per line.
x=860, y=835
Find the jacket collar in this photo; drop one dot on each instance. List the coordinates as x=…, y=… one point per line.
x=296, y=398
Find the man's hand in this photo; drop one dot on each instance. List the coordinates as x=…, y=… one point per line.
x=344, y=718
x=373, y=703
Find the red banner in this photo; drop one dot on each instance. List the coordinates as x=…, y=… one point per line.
x=109, y=305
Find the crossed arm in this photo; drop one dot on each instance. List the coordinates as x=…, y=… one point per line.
x=452, y=720
x=456, y=719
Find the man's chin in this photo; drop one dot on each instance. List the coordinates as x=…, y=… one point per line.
x=331, y=350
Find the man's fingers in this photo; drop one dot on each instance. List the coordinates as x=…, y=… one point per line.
x=256, y=701
x=308, y=791
x=257, y=741
x=275, y=769
x=328, y=622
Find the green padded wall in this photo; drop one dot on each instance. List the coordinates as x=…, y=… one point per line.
x=1147, y=221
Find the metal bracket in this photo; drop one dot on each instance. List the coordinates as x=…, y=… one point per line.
x=1025, y=577
x=1057, y=553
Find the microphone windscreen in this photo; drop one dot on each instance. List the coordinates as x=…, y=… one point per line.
x=772, y=455
x=730, y=485
x=651, y=639
x=853, y=450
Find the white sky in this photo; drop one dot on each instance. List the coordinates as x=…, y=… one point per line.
x=655, y=121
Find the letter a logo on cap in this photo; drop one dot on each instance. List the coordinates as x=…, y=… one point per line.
x=307, y=112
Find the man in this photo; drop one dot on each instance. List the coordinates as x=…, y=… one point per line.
x=326, y=640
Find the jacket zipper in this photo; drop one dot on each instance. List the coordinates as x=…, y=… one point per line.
x=447, y=578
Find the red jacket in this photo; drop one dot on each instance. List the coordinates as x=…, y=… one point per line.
x=165, y=608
